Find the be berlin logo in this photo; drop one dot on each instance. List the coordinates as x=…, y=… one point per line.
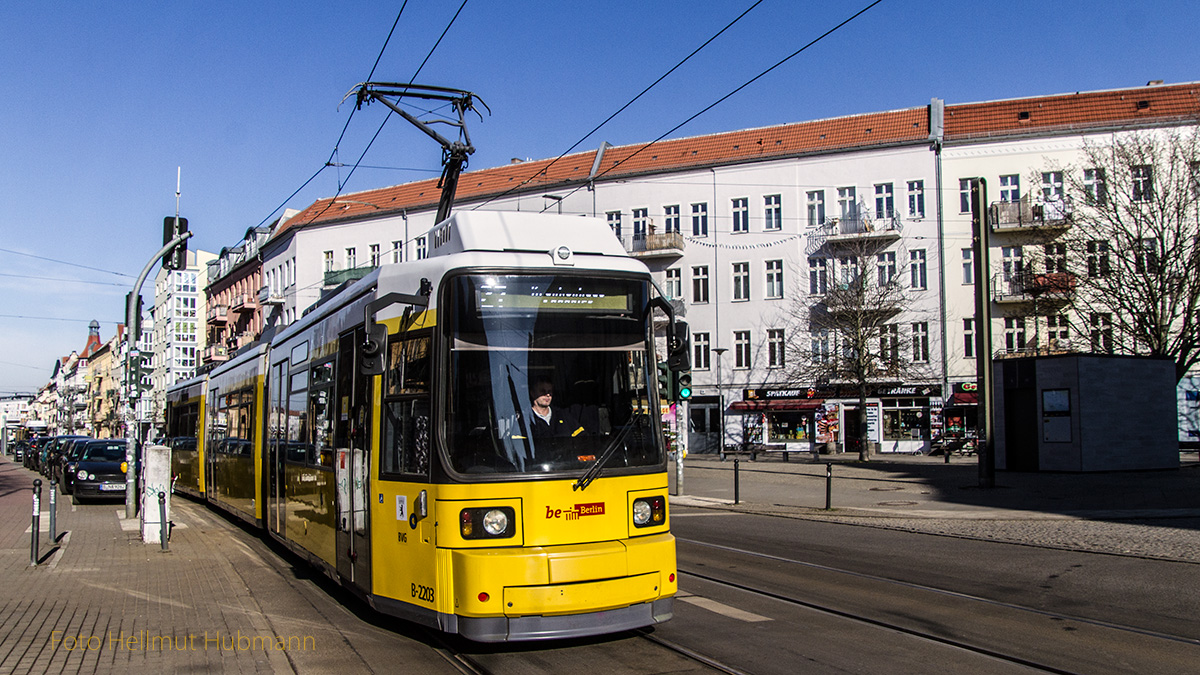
x=145, y=641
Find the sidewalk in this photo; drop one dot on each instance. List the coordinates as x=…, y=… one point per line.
x=101, y=601
x=1150, y=513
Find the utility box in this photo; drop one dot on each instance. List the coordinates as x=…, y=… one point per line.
x=156, y=478
x=1085, y=412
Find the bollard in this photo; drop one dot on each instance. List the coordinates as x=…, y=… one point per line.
x=53, y=510
x=37, y=521
x=736, y=489
x=162, y=519
x=828, y=486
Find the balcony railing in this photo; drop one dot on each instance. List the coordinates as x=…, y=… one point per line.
x=266, y=298
x=338, y=277
x=1026, y=214
x=245, y=302
x=218, y=314
x=653, y=245
x=859, y=228
x=215, y=353
x=1030, y=286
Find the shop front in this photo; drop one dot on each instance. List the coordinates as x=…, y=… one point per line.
x=959, y=423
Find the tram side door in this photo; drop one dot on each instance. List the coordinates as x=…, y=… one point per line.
x=276, y=437
x=352, y=471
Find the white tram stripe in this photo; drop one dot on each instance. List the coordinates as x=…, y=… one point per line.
x=722, y=609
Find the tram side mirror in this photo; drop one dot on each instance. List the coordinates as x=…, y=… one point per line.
x=679, y=347
x=372, y=349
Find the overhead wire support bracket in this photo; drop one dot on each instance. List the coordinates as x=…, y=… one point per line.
x=454, y=153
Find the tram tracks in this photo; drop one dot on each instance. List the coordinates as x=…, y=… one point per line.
x=1042, y=639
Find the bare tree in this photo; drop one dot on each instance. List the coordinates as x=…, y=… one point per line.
x=1134, y=244
x=845, y=333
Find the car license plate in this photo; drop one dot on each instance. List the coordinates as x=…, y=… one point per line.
x=112, y=486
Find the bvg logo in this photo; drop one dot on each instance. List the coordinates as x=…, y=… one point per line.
x=593, y=509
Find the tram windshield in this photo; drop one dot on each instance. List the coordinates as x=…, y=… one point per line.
x=548, y=374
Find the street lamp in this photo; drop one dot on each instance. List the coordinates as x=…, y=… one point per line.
x=720, y=402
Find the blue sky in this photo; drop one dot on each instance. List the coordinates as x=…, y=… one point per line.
x=101, y=101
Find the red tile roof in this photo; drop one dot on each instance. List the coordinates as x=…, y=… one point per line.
x=970, y=121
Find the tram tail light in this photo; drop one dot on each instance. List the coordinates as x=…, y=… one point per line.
x=649, y=511
x=497, y=522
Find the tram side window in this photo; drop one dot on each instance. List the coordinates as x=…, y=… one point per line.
x=297, y=419
x=406, y=433
x=234, y=430
x=321, y=415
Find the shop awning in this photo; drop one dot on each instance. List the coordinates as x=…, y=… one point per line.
x=778, y=404
x=963, y=398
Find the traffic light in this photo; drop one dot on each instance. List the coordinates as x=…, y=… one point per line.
x=176, y=258
x=679, y=347
x=683, y=385
x=665, y=388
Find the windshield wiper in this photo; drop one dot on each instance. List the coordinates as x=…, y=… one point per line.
x=594, y=470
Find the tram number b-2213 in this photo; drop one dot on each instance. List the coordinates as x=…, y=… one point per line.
x=422, y=593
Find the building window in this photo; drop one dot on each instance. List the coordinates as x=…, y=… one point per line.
x=640, y=219
x=920, y=340
x=848, y=203
x=964, y=195
x=1101, y=325
x=1010, y=188
x=1052, y=186
x=1012, y=262
x=397, y=251
x=774, y=279
x=775, y=348
x=701, y=351
x=885, y=265
x=1014, y=334
x=700, y=219
x=820, y=346
x=328, y=258
x=1143, y=183
x=671, y=218
x=614, y=222
x=818, y=276
x=889, y=346
x=741, y=281
x=1095, y=187
x=700, y=284
x=1058, y=331
x=917, y=272
x=674, y=283
x=422, y=248
x=916, y=199
x=741, y=349
x=1097, y=258
x=772, y=213
x=848, y=269
x=969, y=338
x=375, y=255
x=1056, y=258
x=351, y=258
x=816, y=208
x=741, y=215
x=1146, y=257
x=885, y=206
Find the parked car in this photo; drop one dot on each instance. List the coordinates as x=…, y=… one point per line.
x=52, y=453
x=67, y=466
x=20, y=448
x=35, y=447
x=100, y=470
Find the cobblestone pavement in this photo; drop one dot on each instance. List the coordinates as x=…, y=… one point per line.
x=100, y=600
x=1152, y=514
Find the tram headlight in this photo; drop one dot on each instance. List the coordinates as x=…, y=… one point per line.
x=495, y=522
x=649, y=511
x=487, y=523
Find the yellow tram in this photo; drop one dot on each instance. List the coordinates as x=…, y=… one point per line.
x=471, y=441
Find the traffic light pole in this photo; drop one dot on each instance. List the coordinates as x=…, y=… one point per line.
x=133, y=330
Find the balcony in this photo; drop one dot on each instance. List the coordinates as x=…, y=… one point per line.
x=245, y=302
x=851, y=230
x=338, y=277
x=1032, y=287
x=1027, y=216
x=215, y=354
x=655, y=245
x=266, y=299
x=218, y=315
